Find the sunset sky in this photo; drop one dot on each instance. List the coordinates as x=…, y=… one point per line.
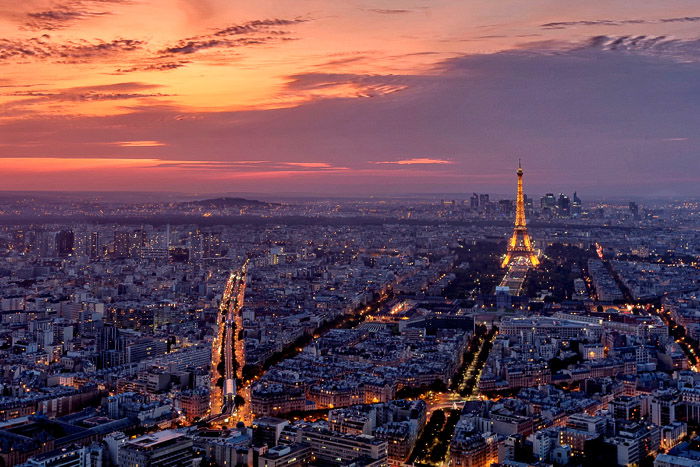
x=350, y=97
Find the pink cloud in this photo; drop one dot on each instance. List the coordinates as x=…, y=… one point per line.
x=139, y=144
x=416, y=161
x=315, y=165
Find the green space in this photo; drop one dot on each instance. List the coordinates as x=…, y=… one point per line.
x=560, y=265
x=478, y=271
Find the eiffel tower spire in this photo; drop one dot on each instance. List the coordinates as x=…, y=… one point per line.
x=520, y=244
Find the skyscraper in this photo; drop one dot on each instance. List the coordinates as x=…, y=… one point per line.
x=634, y=209
x=563, y=205
x=65, y=241
x=211, y=245
x=121, y=244
x=576, y=205
x=93, y=246
x=548, y=204
x=483, y=200
x=474, y=202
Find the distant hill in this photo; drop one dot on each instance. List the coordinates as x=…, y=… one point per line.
x=223, y=203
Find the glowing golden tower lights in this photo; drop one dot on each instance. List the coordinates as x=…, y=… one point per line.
x=520, y=244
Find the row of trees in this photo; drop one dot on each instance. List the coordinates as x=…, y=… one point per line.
x=468, y=357
x=470, y=384
x=690, y=346
x=429, y=435
x=439, y=452
x=414, y=392
x=434, y=441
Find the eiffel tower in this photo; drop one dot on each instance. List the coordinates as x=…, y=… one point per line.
x=520, y=244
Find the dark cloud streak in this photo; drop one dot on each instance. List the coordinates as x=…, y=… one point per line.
x=662, y=46
x=109, y=92
x=227, y=37
x=252, y=33
x=256, y=26
x=157, y=66
x=41, y=48
x=64, y=14
x=390, y=11
x=617, y=22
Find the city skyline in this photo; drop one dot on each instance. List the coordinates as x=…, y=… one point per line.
x=386, y=333
x=365, y=98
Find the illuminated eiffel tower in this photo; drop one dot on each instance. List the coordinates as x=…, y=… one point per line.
x=520, y=244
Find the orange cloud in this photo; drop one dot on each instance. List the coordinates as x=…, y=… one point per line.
x=105, y=173
x=69, y=164
x=224, y=168
x=139, y=144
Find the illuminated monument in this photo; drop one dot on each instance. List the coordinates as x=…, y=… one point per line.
x=520, y=244
x=228, y=347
